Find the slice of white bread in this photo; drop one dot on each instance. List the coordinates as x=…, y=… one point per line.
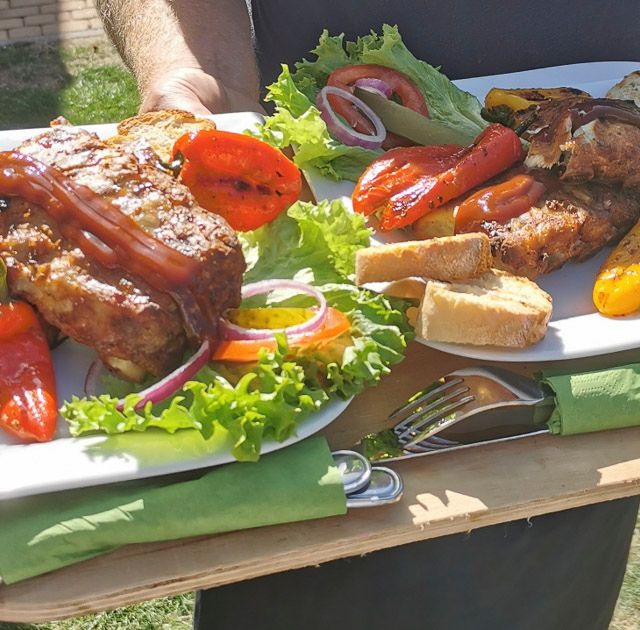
x=159, y=130
x=628, y=89
x=496, y=309
x=445, y=258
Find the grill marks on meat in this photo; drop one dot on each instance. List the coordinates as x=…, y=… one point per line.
x=592, y=174
x=570, y=224
x=134, y=328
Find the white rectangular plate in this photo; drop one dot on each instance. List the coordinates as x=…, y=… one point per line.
x=66, y=462
x=576, y=329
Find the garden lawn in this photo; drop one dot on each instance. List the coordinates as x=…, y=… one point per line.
x=86, y=84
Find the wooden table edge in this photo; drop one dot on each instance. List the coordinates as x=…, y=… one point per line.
x=334, y=550
x=476, y=488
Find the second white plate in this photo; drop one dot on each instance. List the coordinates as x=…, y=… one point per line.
x=576, y=329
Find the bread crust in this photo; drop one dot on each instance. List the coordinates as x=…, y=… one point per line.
x=159, y=130
x=496, y=309
x=447, y=258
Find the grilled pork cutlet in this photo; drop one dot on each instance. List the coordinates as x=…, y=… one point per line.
x=135, y=328
x=570, y=223
x=587, y=153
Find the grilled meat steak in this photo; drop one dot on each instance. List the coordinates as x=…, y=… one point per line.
x=587, y=153
x=569, y=224
x=134, y=328
x=587, y=139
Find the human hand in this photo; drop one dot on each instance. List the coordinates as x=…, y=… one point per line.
x=195, y=91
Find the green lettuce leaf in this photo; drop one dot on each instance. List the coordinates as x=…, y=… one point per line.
x=268, y=399
x=297, y=121
x=267, y=402
x=320, y=244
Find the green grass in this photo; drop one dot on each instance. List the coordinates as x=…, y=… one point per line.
x=83, y=84
x=88, y=84
x=627, y=614
x=169, y=613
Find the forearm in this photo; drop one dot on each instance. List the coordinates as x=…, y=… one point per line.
x=156, y=37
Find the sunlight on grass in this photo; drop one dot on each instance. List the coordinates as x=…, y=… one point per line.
x=96, y=95
x=84, y=84
x=169, y=613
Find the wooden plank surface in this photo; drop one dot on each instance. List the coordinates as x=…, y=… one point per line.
x=444, y=494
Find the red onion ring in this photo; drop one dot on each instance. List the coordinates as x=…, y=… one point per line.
x=232, y=331
x=92, y=377
x=346, y=134
x=377, y=86
x=171, y=383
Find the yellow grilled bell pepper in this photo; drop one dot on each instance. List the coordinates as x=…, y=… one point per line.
x=523, y=98
x=617, y=287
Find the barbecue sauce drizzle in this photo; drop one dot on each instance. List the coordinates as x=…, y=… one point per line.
x=109, y=236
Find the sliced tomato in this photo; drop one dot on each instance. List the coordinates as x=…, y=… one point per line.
x=245, y=180
x=335, y=325
x=403, y=88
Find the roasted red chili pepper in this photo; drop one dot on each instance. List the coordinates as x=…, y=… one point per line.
x=399, y=170
x=28, y=407
x=419, y=185
x=245, y=180
x=500, y=202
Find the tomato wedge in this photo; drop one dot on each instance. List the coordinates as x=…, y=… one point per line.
x=245, y=180
x=403, y=88
x=335, y=325
x=408, y=183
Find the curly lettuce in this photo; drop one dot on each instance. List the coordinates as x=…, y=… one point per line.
x=297, y=120
x=270, y=398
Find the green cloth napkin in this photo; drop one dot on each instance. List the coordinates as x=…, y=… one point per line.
x=595, y=401
x=47, y=532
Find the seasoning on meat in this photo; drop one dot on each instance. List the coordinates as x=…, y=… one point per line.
x=570, y=223
x=135, y=328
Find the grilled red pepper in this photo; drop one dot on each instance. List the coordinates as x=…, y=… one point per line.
x=499, y=202
x=417, y=180
x=245, y=180
x=28, y=407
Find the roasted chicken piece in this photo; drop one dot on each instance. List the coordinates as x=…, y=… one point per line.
x=135, y=329
x=569, y=224
x=587, y=153
x=604, y=151
x=587, y=140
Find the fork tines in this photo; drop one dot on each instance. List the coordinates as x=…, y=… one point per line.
x=425, y=412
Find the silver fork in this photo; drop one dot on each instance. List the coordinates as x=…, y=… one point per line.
x=463, y=408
